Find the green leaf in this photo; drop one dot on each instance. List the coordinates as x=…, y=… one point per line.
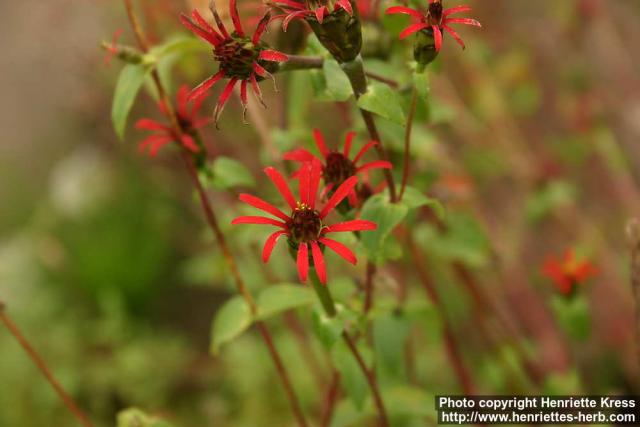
x=414, y=198
x=337, y=82
x=390, y=332
x=383, y=101
x=573, y=315
x=127, y=88
x=229, y=173
x=352, y=377
x=387, y=216
x=134, y=417
x=231, y=320
x=327, y=329
x=279, y=298
x=179, y=44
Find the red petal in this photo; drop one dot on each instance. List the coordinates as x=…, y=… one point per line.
x=224, y=97
x=259, y=70
x=404, y=10
x=256, y=89
x=320, y=12
x=303, y=262
x=243, y=93
x=454, y=35
x=456, y=9
x=270, y=243
x=377, y=164
x=414, y=28
x=317, y=136
x=344, y=4
x=181, y=98
x=340, y=249
x=353, y=225
x=258, y=203
x=339, y=195
x=209, y=37
x=298, y=155
x=260, y=29
x=318, y=262
x=465, y=21
x=347, y=143
x=233, y=9
x=303, y=183
x=257, y=220
x=204, y=24
x=216, y=17
x=364, y=149
x=290, y=4
x=290, y=17
x=437, y=37
x=149, y=124
x=314, y=181
x=154, y=140
x=281, y=185
x=201, y=90
x=273, y=55
x=189, y=143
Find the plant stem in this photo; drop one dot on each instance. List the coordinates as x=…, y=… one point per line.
x=357, y=77
x=40, y=363
x=368, y=286
x=331, y=397
x=213, y=224
x=633, y=232
x=324, y=295
x=407, y=142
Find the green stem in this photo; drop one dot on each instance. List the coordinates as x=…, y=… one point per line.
x=322, y=291
x=407, y=142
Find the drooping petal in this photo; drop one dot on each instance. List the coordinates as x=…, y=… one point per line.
x=270, y=243
x=216, y=17
x=353, y=225
x=455, y=35
x=149, y=124
x=314, y=181
x=437, y=37
x=414, y=28
x=290, y=4
x=377, y=164
x=340, y=193
x=181, y=98
x=189, y=143
x=318, y=262
x=290, y=17
x=153, y=140
x=455, y=9
x=404, y=10
x=347, y=143
x=224, y=97
x=273, y=55
x=368, y=146
x=233, y=10
x=157, y=144
x=340, y=249
x=243, y=99
x=206, y=36
x=257, y=220
x=256, y=89
x=303, y=262
x=319, y=139
x=298, y=155
x=465, y=21
x=344, y=4
x=258, y=203
x=260, y=29
x=281, y=185
x=205, y=25
x=201, y=90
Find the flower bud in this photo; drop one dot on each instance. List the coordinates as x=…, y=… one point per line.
x=424, y=49
x=340, y=33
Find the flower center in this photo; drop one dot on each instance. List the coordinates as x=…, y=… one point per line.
x=305, y=224
x=337, y=169
x=434, y=15
x=236, y=56
x=185, y=122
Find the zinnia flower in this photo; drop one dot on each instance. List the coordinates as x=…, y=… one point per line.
x=337, y=167
x=316, y=10
x=436, y=19
x=305, y=226
x=164, y=134
x=566, y=273
x=241, y=58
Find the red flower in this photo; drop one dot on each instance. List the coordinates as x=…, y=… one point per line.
x=437, y=19
x=317, y=10
x=567, y=272
x=304, y=226
x=241, y=58
x=164, y=134
x=337, y=167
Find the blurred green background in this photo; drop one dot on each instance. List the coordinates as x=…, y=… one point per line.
x=529, y=139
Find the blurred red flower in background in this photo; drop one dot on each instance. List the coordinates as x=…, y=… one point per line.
x=304, y=226
x=566, y=273
x=164, y=134
x=317, y=10
x=437, y=19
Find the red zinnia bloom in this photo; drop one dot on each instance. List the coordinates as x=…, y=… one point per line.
x=304, y=226
x=317, y=10
x=241, y=58
x=568, y=272
x=164, y=134
x=337, y=167
x=437, y=19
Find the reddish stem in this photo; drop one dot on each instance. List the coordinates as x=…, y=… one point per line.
x=330, y=399
x=407, y=143
x=40, y=363
x=368, y=287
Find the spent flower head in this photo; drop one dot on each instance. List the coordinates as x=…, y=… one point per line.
x=163, y=134
x=241, y=58
x=306, y=226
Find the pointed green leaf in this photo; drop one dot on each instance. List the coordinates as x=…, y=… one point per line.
x=229, y=173
x=351, y=374
x=414, y=198
x=338, y=86
x=127, y=88
x=387, y=216
x=279, y=298
x=383, y=101
x=231, y=320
